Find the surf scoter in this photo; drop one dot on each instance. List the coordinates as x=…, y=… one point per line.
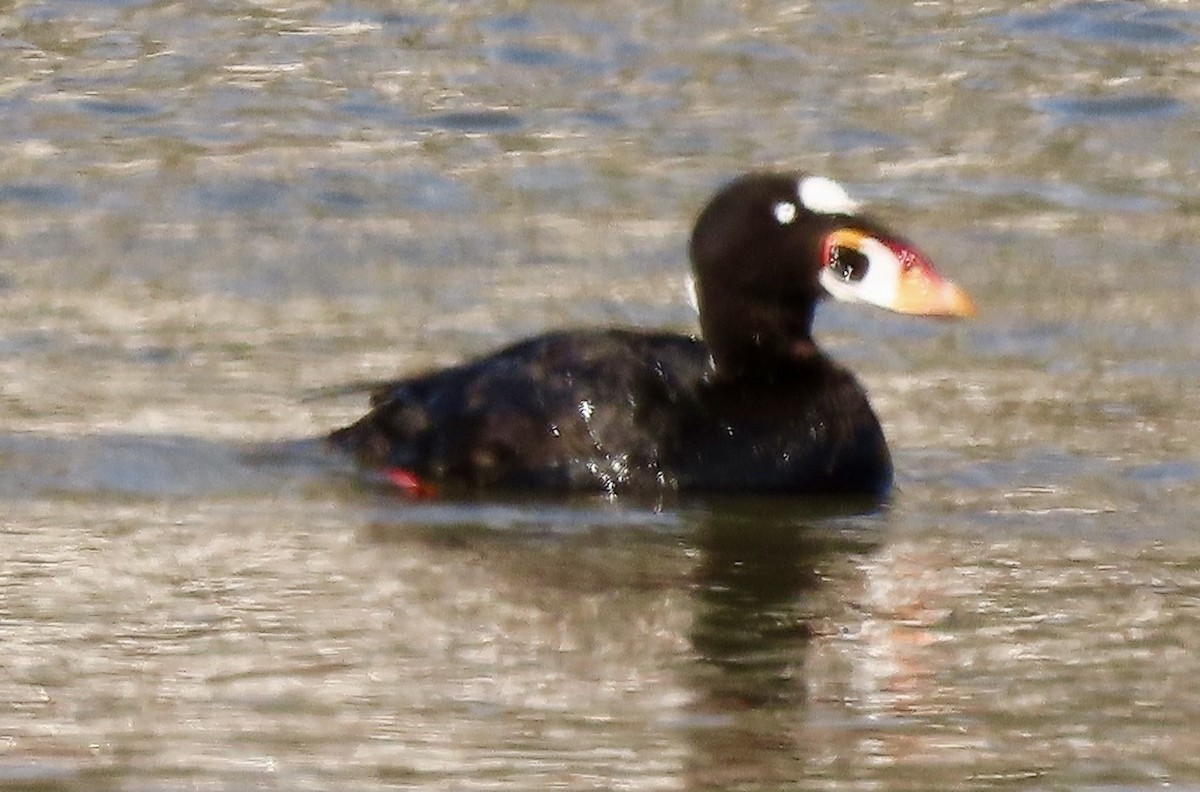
x=755, y=406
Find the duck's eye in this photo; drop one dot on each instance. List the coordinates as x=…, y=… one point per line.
x=847, y=264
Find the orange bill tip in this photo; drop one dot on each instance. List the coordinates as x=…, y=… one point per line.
x=925, y=293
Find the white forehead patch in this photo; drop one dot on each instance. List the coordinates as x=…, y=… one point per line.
x=825, y=196
x=785, y=212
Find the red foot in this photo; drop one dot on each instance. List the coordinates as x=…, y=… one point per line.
x=409, y=483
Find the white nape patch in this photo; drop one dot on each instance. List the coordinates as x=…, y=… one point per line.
x=785, y=212
x=825, y=196
x=689, y=288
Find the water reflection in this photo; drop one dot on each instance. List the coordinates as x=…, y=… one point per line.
x=752, y=611
x=729, y=598
x=758, y=607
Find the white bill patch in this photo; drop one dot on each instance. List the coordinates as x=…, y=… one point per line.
x=825, y=196
x=881, y=284
x=785, y=212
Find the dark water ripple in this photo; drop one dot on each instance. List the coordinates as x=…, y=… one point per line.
x=1121, y=24
x=1139, y=109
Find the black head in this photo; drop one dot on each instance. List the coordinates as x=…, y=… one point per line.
x=768, y=246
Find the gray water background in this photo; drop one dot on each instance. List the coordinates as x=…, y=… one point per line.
x=207, y=211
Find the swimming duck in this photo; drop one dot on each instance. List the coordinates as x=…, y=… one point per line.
x=753, y=406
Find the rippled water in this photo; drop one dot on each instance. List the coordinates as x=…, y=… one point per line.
x=208, y=212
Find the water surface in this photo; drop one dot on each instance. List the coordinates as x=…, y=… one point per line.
x=207, y=213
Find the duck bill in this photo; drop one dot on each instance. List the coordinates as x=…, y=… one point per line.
x=922, y=291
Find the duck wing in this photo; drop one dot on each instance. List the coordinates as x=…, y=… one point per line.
x=596, y=410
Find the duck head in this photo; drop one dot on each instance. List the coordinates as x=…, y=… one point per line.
x=768, y=247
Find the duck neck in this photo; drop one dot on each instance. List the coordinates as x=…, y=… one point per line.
x=760, y=348
x=766, y=364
